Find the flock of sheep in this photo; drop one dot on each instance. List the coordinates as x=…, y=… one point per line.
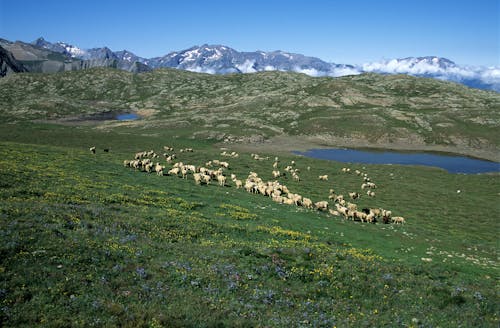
x=215, y=171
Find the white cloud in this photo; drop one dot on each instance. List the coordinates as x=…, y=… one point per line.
x=343, y=71
x=247, y=67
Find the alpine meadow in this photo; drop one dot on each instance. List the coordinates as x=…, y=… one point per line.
x=196, y=213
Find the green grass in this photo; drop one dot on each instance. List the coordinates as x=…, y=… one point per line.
x=85, y=241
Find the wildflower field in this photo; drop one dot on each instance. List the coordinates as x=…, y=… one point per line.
x=87, y=242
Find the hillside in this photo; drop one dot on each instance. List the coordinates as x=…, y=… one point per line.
x=368, y=110
x=87, y=241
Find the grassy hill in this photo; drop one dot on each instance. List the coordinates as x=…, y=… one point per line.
x=85, y=241
x=365, y=110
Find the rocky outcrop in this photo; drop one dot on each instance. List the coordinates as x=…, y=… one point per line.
x=8, y=64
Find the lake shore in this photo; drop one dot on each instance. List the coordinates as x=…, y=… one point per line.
x=286, y=144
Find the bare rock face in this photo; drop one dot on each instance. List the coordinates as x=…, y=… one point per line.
x=8, y=64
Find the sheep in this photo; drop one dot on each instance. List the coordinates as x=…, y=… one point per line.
x=197, y=178
x=307, y=203
x=275, y=165
x=342, y=210
x=159, y=169
x=276, y=174
x=224, y=165
x=370, y=218
x=353, y=195
x=321, y=205
x=173, y=171
x=92, y=150
x=360, y=215
x=334, y=212
x=295, y=177
x=222, y=180
x=346, y=170
x=126, y=163
x=206, y=178
x=309, y=168
x=398, y=219
x=297, y=199
x=386, y=216
x=184, y=172
x=370, y=193
x=277, y=198
x=323, y=177
x=358, y=172
x=148, y=167
x=352, y=207
x=238, y=183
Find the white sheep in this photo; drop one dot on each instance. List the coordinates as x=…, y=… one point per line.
x=323, y=177
x=92, y=150
x=221, y=179
x=197, y=178
x=398, y=219
x=353, y=195
x=321, y=205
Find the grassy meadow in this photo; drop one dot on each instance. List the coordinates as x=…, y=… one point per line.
x=86, y=242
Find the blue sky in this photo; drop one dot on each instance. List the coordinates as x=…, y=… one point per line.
x=353, y=32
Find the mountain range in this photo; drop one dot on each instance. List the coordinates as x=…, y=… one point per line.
x=44, y=56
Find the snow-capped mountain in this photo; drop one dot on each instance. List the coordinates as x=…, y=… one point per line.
x=60, y=47
x=221, y=59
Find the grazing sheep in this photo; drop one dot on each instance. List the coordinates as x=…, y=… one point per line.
x=238, y=183
x=277, y=198
x=370, y=193
x=295, y=177
x=173, y=171
x=322, y=205
x=309, y=168
x=206, y=178
x=352, y=207
x=360, y=215
x=92, y=150
x=342, y=210
x=197, y=178
x=126, y=163
x=276, y=174
x=222, y=180
x=334, y=212
x=275, y=165
x=307, y=203
x=398, y=219
x=353, y=195
x=159, y=169
x=370, y=218
x=323, y=177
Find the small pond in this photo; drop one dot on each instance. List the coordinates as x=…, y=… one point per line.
x=453, y=164
x=127, y=117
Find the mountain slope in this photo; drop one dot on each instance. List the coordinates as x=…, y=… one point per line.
x=395, y=111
